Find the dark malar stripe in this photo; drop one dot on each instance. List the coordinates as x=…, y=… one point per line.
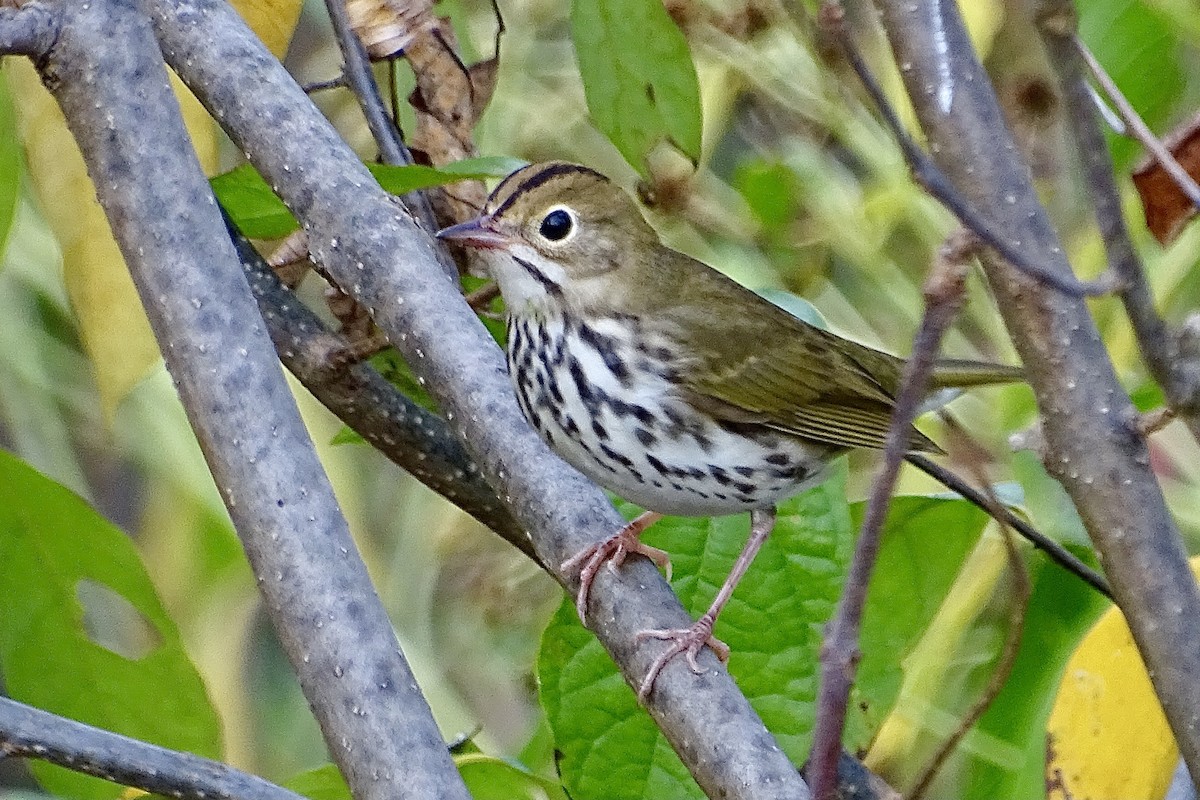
x=537, y=179
x=550, y=286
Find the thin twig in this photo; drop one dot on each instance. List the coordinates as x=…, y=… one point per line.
x=1006, y=516
x=320, y=86
x=361, y=81
x=944, y=291
x=27, y=732
x=927, y=174
x=1004, y=667
x=392, y=149
x=1137, y=127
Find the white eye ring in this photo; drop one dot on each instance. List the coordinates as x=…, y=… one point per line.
x=558, y=225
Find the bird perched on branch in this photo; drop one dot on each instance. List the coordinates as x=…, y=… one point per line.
x=665, y=381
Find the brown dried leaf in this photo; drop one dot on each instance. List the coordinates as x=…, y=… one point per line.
x=1166, y=207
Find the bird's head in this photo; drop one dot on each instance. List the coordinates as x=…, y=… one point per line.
x=564, y=229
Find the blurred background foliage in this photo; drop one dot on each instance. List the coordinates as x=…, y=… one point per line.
x=799, y=190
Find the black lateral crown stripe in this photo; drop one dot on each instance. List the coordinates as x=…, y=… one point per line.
x=537, y=179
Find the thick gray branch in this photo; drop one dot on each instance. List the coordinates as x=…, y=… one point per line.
x=109, y=78
x=415, y=439
x=31, y=733
x=376, y=252
x=1093, y=445
x=1176, y=371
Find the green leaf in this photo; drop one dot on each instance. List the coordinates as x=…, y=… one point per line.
x=11, y=161
x=1141, y=50
x=401, y=180
x=609, y=747
x=254, y=208
x=638, y=76
x=320, y=783
x=487, y=778
x=925, y=540
x=83, y=633
x=260, y=214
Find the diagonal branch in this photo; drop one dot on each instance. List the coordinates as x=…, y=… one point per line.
x=27, y=732
x=944, y=293
x=414, y=439
x=1093, y=444
x=375, y=251
x=107, y=74
x=1178, y=373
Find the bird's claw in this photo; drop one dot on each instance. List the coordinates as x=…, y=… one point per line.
x=689, y=641
x=612, y=550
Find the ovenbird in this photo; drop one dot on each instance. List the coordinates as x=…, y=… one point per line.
x=665, y=381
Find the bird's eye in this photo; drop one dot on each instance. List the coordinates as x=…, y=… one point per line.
x=556, y=225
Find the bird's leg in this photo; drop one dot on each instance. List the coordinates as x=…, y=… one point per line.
x=613, y=550
x=689, y=641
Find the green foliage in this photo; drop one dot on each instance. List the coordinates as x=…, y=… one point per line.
x=1127, y=37
x=638, y=76
x=487, y=778
x=82, y=631
x=260, y=214
x=10, y=162
x=609, y=746
x=1061, y=611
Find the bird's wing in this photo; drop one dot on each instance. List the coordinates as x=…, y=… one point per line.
x=769, y=368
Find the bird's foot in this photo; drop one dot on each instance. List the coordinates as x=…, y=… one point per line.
x=688, y=641
x=613, y=550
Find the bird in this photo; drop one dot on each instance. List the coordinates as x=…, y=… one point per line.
x=668, y=383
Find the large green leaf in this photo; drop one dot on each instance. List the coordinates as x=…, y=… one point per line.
x=638, y=76
x=82, y=631
x=610, y=748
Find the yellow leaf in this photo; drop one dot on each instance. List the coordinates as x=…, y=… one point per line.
x=1105, y=711
x=112, y=324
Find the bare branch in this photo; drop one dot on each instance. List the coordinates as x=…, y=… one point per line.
x=30, y=30
x=928, y=175
x=1178, y=373
x=375, y=251
x=1093, y=446
x=108, y=77
x=27, y=732
x=416, y=440
x=944, y=292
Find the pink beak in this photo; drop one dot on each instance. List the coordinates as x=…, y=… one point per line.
x=474, y=233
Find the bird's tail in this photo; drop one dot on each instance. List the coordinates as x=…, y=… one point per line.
x=960, y=373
